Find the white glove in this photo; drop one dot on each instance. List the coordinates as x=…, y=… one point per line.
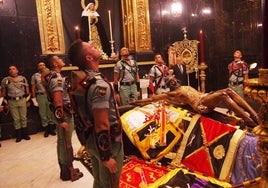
x=1, y=100
x=35, y=103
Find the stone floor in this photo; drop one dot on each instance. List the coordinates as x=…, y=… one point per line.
x=33, y=164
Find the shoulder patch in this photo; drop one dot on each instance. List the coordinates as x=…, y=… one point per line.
x=102, y=91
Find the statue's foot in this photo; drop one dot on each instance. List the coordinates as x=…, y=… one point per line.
x=255, y=118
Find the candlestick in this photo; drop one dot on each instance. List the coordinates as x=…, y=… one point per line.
x=201, y=40
x=162, y=124
x=110, y=25
x=77, y=32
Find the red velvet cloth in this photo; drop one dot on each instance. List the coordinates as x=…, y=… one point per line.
x=137, y=173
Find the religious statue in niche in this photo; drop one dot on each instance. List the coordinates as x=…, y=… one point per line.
x=92, y=28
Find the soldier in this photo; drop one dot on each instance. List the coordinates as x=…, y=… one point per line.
x=61, y=107
x=126, y=74
x=157, y=74
x=40, y=99
x=98, y=112
x=15, y=89
x=238, y=73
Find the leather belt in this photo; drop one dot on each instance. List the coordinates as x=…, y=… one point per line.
x=236, y=83
x=15, y=98
x=127, y=83
x=40, y=93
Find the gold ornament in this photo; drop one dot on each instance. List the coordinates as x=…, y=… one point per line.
x=83, y=5
x=219, y=152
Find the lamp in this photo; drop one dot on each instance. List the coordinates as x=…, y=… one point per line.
x=176, y=9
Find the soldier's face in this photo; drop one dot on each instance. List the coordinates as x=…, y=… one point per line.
x=124, y=53
x=58, y=61
x=41, y=66
x=92, y=50
x=237, y=55
x=13, y=71
x=159, y=59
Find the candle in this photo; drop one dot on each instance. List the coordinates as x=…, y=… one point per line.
x=77, y=32
x=110, y=25
x=201, y=40
x=163, y=124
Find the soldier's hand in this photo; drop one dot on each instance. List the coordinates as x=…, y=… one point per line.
x=118, y=99
x=111, y=165
x=64, y=125
x=28, y=104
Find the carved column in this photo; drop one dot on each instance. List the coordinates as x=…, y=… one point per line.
x=136, y=25
x=258, y=90
x=50, y=26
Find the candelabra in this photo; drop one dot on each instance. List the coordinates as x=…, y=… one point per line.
x=113, y=55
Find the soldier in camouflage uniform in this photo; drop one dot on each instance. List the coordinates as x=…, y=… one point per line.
x=98, y=112
x=57, y=87
x=39, y=94
x=238, y=73
x=15, y=89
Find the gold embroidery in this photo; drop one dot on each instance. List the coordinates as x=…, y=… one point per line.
x=219, y=152
x=50, y=26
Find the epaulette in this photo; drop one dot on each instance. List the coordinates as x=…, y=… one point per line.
x=49, y=76
x=88, y=81
x=7, y=81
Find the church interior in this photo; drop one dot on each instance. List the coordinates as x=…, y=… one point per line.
x=209, y=30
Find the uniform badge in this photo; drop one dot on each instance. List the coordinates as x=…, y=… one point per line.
x=102, y=91
x=59, y=82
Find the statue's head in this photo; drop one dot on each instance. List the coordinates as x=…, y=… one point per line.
x=172, y=82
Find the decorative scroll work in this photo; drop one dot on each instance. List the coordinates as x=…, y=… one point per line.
x=50, y=26
x=143, y=42
x=128, y=24
x=136, y=25
x=188, y=50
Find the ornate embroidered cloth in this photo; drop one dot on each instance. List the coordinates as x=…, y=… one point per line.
x=138, y=173
x=209, y=147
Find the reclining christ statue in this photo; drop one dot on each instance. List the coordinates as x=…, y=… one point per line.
x=205, y=103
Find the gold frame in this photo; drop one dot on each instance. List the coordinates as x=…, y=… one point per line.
x=185, y=48
x=50, y=26
x=136, y=25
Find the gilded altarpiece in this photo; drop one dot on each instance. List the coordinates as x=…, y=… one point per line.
x=136, y=25
x=50, y=26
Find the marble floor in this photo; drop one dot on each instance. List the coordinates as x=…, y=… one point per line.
x=33, y=164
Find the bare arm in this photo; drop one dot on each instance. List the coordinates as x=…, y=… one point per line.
x=33, y=90
x=116, y=77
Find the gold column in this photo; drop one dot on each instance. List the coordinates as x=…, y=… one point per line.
x=258, y=90
x=50, y=26
x=136, y=25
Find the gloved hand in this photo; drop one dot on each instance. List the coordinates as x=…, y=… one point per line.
x=35, y=103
